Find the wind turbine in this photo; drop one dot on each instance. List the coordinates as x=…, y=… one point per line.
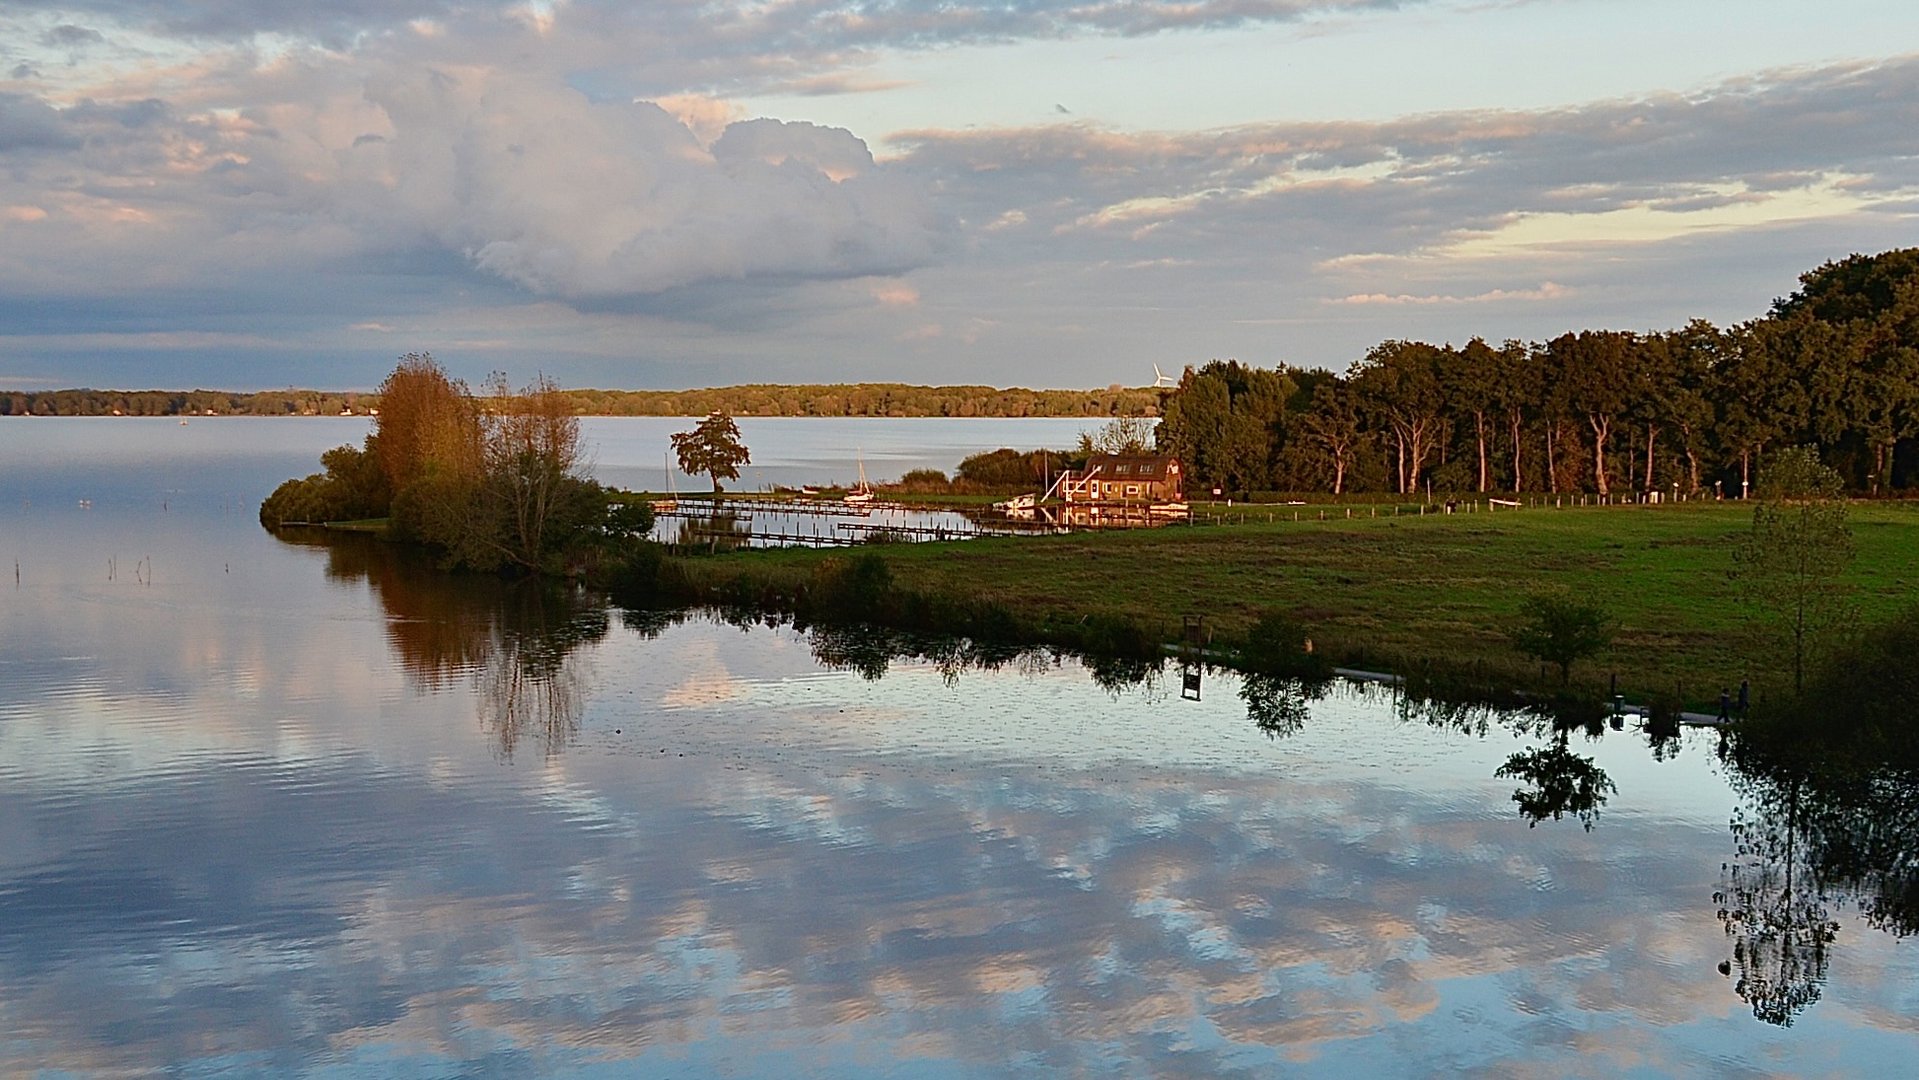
x=1160, y=378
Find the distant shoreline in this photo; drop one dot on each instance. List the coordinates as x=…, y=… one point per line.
x=825, y=400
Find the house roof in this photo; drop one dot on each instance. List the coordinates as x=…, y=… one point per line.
x=1132, y=466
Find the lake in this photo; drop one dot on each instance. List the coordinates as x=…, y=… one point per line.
x=312, y=808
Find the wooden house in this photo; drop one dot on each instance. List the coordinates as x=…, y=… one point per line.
x=1149, y=479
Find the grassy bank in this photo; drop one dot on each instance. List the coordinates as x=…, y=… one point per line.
x=1399, y=593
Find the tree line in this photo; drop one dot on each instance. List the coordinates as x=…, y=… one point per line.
x=291, y=402
x=839, y=399
x=1834, y=365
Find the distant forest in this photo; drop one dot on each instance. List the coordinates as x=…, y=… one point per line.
x=846, y=399
x=1834, y=366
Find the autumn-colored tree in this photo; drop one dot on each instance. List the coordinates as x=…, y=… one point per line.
x=532, y=489
x=427, y=423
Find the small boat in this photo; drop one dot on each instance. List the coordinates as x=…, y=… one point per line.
x=672, y=500
x=1018, y=502
x=183, y=423
x=862, y=492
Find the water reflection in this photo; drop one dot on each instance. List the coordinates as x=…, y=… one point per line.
x=515, y=641
x=713, y=531
x=871, y=650
x=1279, y=706
x=1775, y=911
x=1818, y=832
x=1557, y=782
x=1806, y=842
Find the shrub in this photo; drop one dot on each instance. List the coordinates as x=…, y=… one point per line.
x=1560, y=629
x=924, y=482
x=1277, y=645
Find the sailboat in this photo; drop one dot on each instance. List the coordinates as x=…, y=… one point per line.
x=862, y=492
x=672, y=500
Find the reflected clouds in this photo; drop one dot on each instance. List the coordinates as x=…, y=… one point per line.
x=979, y=863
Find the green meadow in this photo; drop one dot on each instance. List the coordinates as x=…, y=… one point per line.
x=1400, y=592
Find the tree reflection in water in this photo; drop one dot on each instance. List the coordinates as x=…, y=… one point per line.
x=515, y=641
x=1279, y=706
x=1818, y=832
x=1775, y=912
x=1559, y=782
x=870, y=650
x=718, y=531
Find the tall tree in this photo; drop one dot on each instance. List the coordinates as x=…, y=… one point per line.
x=1333, y=427
x=1399, y=382
x=1517, y=391
x=1788, y=565
x=1226, y=421
x=1596, y=366
x=712, y=448
x=427, y=423
x=1874, y=301
x=533, y=492
x=1473, y=391
x=1693, y=353
x=1762, y=398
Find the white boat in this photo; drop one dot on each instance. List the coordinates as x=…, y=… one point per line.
x=1018, y=502
x=672, y=500
x=862, y=492
x=1169, y=509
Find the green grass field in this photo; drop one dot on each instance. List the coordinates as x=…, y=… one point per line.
x=1397, y=591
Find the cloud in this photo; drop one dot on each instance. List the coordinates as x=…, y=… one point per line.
x=336, y=23
x=29, y=124
x=1546, y=291
x=525, y=179
x=576, y=199
x=823, y=25
x=1772, y=148
x=896, y=294
x=69, y=36
x=839, y=82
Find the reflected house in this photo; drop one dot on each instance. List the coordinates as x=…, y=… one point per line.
x=1121, y=479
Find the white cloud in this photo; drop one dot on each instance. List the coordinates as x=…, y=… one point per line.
x=1546, y=291
x=576, y=199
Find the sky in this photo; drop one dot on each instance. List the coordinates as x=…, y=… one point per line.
x=249, y=194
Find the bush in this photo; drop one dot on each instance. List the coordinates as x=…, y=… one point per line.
x=1277, y=645
x=860, y=588
x=351, y=488
x=924, y=482
x=1560, y=629
x=1007, y=469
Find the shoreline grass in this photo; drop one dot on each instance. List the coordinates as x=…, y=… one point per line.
x=1434, y=592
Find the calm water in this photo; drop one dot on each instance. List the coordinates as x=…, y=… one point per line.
x=271, y=808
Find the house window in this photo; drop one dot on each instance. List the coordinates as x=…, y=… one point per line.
x=1122, y=468
x=1132, y=489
